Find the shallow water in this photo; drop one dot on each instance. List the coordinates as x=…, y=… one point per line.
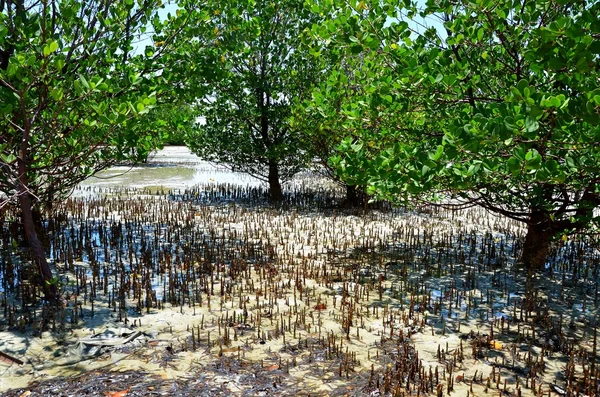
x=173, y=167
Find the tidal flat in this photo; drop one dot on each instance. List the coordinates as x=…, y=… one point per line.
x=197, y=286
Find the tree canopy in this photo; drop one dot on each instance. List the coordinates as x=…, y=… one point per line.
x=244, y=65
x=496, y=104
x=335, y=113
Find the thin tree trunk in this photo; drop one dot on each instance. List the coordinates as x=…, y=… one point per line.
x=37, y=249
x=275, y=192
x=537, y=243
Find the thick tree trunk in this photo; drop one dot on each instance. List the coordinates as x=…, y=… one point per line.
x=537, y=244
x=355, y=196
x=37, y=249
x=275, y=191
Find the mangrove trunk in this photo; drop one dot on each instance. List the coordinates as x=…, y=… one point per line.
x=275, y=191
x=537, y=244
x=37, y=249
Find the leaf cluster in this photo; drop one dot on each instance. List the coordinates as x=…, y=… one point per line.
x=72, y=92
x=494, y=103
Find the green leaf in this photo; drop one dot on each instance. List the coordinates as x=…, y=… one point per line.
x=522, y=84
x=84, y=81
x=514, y=165
x=425, y=170
x=57, y=94
x=373, y=44
x=515, y=91
x=533, y=159
x=473, y=169
x=7, y=158
x=509, y=123
x=531, y=126
x=438, y=153
x=551, y=165
x=356, y=49
x=50, y=48
x=542, y=175
x=531, y=154
x=480, y=34
x=53, y=46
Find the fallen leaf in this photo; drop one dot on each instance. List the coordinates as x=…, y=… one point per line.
x=25, y=393
x=272, y=367
x=496, y=345
x=320, y=306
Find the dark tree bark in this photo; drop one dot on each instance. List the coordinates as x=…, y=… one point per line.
x=540, y=231
x=37, y=249
x=275, y=191
x=356, y=197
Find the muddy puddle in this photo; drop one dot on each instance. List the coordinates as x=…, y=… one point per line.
x=201, y=288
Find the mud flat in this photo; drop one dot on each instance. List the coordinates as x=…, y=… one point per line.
x=207, y=290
